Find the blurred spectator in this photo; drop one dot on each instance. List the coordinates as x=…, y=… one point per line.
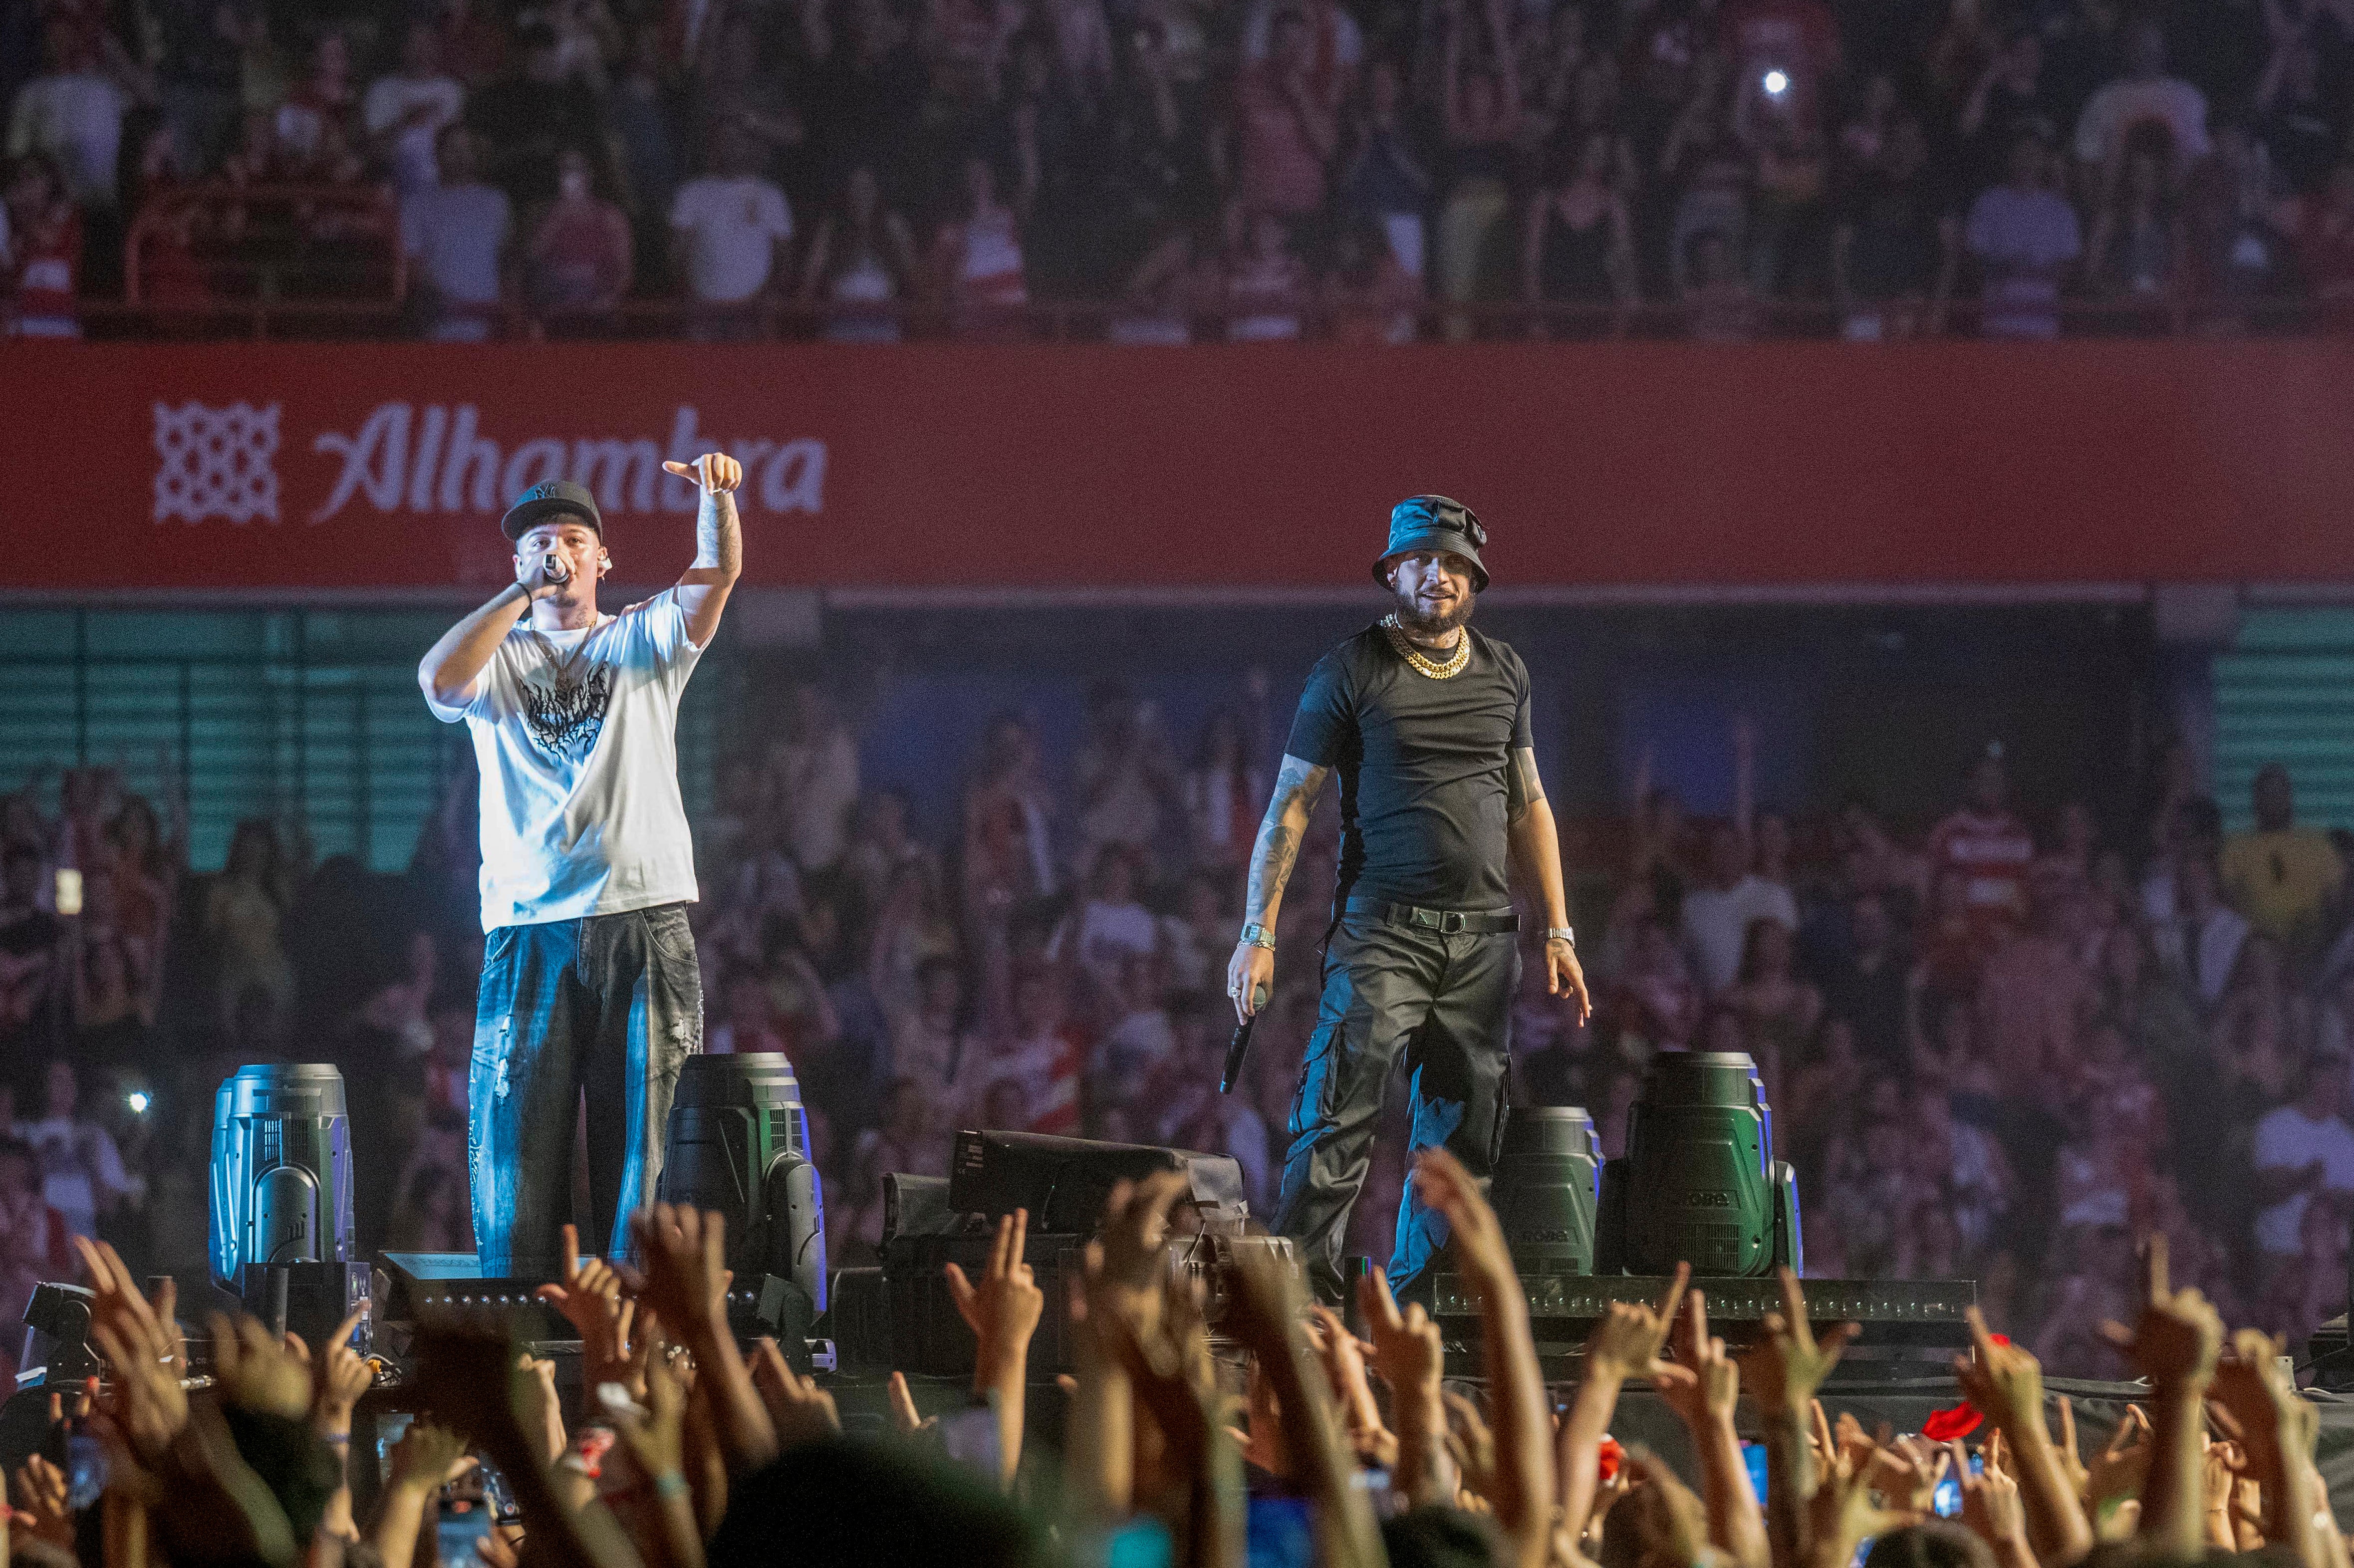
x=2137, y=253
x=1482, y=119
x=2143, y=95
x=202, y=43
x=405, y=110
x=2023, y=236
x=1985, y=845
x=1719, y=305
x=578, y=259
x=315, y=119
x=1284, y=125
x=528, y=117
x=2203, y=940
x=1386, y=172
x=2284, y=878
x=457, y=231
x=1111, y=926
x=813, y=772
x=1225, y=789
x=72, y=115
x=1579, y=247
x=1719, y=912
x=979, y=258
x=1265, y=286
x=30, y=960
x=2303, y=1153
x=82, y=1177
x=1126, y=776
x=43, y=252
x=729, y=230
x=863, y=255
x=1040, y=1054
x=1894, y=250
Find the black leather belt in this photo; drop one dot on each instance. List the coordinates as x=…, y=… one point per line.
x=1447, y=922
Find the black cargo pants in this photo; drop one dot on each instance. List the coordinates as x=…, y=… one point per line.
x=1445, y=1000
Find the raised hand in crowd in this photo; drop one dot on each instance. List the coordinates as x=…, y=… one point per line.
x=1199, y=1493
x=1410, y=1356
x=2175, y=1344
x=1992, y=1510
x=654, y=1434
x=1263, y=1312
x=1781, y=1369
x=427, y=1458
x=1625, y=1344
x=1517, y=1405
x=2006, y=1382
x=591, y=1299
x=1003, y=1311
x=1343, y=1355
x=1705, y=1399
x=684, y=1251
x=2275, y=1429
x=801, y=1412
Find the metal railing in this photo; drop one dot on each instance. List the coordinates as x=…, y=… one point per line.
x=1319, y=319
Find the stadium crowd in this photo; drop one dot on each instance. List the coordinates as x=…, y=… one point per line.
x=1996, y=1046
x=1271, y=1444
x=1171, y=170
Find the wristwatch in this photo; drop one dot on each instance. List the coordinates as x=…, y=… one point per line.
x=1561, y=934
x=1257, y=936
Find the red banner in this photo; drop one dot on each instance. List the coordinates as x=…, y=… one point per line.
x=367, y=466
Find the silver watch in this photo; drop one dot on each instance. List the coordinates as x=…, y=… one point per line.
x=1561, y=934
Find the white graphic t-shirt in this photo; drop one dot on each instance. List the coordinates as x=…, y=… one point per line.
x=576, y=733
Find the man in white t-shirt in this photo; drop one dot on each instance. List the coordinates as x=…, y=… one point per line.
x=2303, y=1150
x=456, y=231
x=728, y=229
x=1717, y=915
x=589, y=984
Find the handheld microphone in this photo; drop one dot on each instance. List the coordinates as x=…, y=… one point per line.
x=554, y=568
x=1239, y=1046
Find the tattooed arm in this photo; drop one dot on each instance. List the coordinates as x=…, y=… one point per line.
x=1297, y=786
x=1536, y=848
x=718, y=542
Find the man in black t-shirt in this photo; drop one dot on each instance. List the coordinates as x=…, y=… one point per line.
x=1427, y=722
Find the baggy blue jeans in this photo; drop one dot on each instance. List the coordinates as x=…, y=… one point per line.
x=610, y=1006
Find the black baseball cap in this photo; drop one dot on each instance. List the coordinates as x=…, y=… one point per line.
x=553, y=498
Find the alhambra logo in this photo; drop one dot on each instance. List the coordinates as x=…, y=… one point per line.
x=438, y=458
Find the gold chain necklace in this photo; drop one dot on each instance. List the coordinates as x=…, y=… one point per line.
x=1423, y=664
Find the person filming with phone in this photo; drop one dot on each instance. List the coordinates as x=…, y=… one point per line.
x=589, y=982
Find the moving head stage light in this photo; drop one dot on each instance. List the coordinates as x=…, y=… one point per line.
x=1699, y=1182
x=281, y=1199
x=737, y=1143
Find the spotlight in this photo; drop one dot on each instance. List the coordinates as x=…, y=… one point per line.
x=282, y=1198
x=138, y=1101
x=1775, y=83
x=1544, y=1187
x=737, y=1142
x=1699, y=1182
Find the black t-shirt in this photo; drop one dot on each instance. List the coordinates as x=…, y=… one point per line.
x=1422, y=766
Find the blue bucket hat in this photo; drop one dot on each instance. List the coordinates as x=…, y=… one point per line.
x=1434, y=523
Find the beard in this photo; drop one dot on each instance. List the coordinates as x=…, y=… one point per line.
x=1420, y=622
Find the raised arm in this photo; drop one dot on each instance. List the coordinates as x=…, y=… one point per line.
x=1297, y=785
x=718, y=542
x=450, y=673
x=1537, y=849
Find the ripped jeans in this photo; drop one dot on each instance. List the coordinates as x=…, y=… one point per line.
x=610, y=1006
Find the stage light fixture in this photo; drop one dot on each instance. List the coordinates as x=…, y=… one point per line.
x=282, y=1198
x=1699, y=1182
x=737, y=1142
x=1546, y=1184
